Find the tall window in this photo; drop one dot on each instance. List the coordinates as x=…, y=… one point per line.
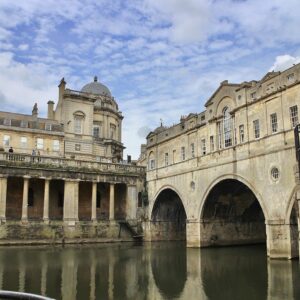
x=256, y=129
x=294, y=115
x=39, y=144
x=227, y=127
x=174, y=156
x=55, y=145
x=274, y=124
x=112, y=131
x=203, y=146
x=211, y=142
x=78, y=124
x=151, y=161
x=6, y=140
x=182, y=153
x=242, y=133
x=219, y=135
x=166, y=159
x=96, y=131
x=23, y=142
x=192, y=150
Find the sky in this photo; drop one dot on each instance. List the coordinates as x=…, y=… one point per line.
x=161, y=59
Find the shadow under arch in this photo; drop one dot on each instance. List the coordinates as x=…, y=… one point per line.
x=231, y=214
x=168, y=216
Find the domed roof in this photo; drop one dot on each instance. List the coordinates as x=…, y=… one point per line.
x=96, y=88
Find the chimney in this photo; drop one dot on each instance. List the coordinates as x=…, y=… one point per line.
x=50, y=114
x=61, y=88
x=35, y=111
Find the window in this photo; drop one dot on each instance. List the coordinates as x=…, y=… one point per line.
x=23, y=142
x=202, y=118
x=227, y=127
x=239, y=97
x=174, y=156
x=253, y=95
x=152, y=164
x=290, y=77
x=77, y=147
x=39, y=144
x=192, y=150
x=96, y=131
x=78, y=125
x=7, y=122
x=48, y=126
x=275, y=173
x=112, y=131
x=166, y=159
x=24, y=124
x=55, y=145
x=242, y=133
x=211, y=142
x=274, y=124
x=219, y=135
x=294, y=115
x=203, y=146
x=182, y=153
x=6, y=140
x=256, y=129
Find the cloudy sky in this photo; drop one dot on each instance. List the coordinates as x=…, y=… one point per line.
x=160, y=58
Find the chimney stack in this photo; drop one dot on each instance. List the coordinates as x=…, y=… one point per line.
x=35, y=111
x=50, y=114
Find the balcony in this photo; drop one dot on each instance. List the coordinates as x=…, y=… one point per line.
x=46, y=162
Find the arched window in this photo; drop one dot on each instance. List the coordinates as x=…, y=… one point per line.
x=151, y=161
x=227, y=130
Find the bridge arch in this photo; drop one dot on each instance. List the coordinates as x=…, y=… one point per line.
x=168, y=215
x=231, y=213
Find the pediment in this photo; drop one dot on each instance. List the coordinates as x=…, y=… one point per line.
x=269, y=75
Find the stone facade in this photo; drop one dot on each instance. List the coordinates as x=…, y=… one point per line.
x=232, y=166
x=62, y=178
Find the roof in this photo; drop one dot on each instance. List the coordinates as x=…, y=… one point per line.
x=96, y=88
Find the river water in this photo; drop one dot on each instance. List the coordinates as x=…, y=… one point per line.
x=149, y=271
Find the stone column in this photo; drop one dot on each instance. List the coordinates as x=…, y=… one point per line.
x=3, y=191
x=44, y=275
x=25, y=199
x=112, y=202
x=131, y=202
x=94, y=201
x=192, y=233
x=280, y=243
x=71, y=194
x=46, y=200
x=69, y=275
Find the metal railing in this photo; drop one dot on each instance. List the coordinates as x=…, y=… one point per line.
x=58, y=162
x=23, y=296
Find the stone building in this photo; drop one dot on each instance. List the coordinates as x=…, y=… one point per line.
x=228, y=175
x=65, y=179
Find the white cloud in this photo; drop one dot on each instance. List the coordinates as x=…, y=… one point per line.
x=283, y=62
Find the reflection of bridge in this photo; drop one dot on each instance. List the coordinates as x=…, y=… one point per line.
x=230, y=170
x=164, y=271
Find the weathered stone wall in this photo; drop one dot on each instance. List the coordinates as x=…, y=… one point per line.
x=57, y=232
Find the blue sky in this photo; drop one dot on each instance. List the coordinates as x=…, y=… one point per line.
x=161, y=59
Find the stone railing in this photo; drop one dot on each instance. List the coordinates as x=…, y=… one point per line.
x=65, y=163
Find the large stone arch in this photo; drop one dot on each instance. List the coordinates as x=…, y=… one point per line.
x=168, y=215
x=231, y=213
x=238, y=178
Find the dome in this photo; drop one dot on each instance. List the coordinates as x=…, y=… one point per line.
x=96, y=88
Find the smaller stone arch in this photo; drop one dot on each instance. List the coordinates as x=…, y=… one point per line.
x=168, y=216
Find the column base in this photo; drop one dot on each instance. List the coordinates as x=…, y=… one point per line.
x=70, y=222
x=281, y=240
x=193, y=234
x=2, y=220
x=46, y=221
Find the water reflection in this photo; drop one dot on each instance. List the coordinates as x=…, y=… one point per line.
x=157, y=271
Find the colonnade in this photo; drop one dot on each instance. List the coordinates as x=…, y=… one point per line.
x=70, y=200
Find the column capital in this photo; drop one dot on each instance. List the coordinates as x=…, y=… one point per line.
x=71, y=180
x=3, y=175
x=26, y=177
x=46, y=178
